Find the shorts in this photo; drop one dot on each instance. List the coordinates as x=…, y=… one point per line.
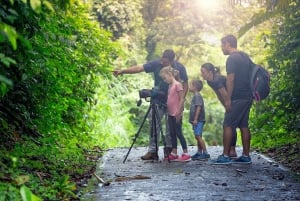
x=198, y=128
x=238, y=117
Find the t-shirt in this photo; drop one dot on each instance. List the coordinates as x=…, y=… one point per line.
x=155, y=67
x=218, y=82
x=174, y=98
x=238, y=64
x=197, y=100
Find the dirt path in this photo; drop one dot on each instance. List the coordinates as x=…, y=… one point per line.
x=195, y=180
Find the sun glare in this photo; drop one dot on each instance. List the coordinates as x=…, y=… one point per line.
x=208, y=4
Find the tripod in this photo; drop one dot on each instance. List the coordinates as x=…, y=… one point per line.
x=155, y=120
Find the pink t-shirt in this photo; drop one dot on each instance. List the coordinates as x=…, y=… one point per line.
x=173, y=98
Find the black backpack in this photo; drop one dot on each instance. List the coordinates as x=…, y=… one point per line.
x=259, y=82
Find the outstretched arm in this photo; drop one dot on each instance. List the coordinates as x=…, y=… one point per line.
x=130, y=70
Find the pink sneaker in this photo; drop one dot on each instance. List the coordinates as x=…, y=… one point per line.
x=173, y=157
x=185, y=157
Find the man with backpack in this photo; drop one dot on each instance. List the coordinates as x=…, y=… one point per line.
x=238, y=101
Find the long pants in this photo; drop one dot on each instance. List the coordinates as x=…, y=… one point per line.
x=175, y=129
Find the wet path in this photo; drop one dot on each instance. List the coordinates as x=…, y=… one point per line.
x=195, y=180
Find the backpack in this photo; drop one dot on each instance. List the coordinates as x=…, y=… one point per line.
x=259, y=82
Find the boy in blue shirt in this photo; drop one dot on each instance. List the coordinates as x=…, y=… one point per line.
x=197, y=119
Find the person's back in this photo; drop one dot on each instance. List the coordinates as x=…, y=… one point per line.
x=238, y=63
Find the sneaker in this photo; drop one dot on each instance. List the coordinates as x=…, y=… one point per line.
x=204, y=156
x=199, y=156
x=196, y=156
x=150, y=156
x=242, y=160
x=185, y=157
x=173, y=157
x=221, y=160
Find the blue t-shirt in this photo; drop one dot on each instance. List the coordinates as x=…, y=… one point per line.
x=155, y=67
x=238, y=63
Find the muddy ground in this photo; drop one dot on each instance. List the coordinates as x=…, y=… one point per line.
x=160, y=180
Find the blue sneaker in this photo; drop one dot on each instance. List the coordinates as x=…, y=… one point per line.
x=242, y=160
x=221, y=160
x=196, y=156
x=204, y=156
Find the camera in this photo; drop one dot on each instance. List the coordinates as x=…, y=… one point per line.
x=145, y=93
x=150, y=93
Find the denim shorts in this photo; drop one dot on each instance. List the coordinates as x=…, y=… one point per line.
x=198, y=128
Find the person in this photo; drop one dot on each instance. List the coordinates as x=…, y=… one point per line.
x=167, y=59
x=237, y=102
x=175, y=106
x=217, y=82
x=197, y=119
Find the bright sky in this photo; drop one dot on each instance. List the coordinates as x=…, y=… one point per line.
x=208, y=4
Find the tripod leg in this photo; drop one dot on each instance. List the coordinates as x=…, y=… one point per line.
x=137, y=133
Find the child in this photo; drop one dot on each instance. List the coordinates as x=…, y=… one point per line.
x=197, y=119
x=175, y=107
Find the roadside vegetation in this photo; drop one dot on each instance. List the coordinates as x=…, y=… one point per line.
x=61, y=108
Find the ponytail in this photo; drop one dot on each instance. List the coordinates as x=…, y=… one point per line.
x=211, y=67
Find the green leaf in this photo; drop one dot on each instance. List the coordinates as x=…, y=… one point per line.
x=27, y=195
x=7, y=60
x=48, y=5
x=5, y=80
x=10, y=33
x=36, y=5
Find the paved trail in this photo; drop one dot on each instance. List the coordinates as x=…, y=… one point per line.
x=195, y=180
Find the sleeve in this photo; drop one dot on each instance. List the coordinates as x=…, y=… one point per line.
x=179, y=87
x=231, y=64
x=151, y=66
x=198, y=100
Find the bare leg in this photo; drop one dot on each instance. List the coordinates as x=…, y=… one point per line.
x=174, y=151
x=200, y=142
x=246, y=137
x=233, y=143
x=227, y=137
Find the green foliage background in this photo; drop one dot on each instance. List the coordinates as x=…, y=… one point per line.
x=60, y=106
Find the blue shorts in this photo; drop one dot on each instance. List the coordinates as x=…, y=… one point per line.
x=198, y=128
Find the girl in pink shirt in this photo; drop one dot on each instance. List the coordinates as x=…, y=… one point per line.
x=175, y=109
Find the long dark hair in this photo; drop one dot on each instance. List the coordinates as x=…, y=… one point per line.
x=211, y=67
